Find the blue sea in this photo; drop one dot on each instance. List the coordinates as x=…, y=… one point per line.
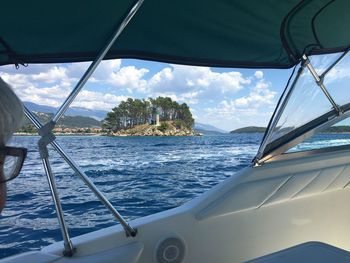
x=139, y=175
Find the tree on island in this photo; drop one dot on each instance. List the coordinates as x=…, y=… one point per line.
x=134, y=112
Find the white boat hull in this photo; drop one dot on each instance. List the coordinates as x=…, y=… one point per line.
x=257, y=211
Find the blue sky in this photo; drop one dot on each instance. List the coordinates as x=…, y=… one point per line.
x=226, y=98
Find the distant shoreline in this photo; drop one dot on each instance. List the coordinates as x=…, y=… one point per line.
x=108, y=135
x=256, y=129
x=133, y=135
x=59, y=134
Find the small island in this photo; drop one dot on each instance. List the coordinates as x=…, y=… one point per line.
x=338, y=129
x=133, y=117
x=250, y=129
x=152, y=117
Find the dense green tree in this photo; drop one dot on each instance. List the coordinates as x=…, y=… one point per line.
x=135, y=112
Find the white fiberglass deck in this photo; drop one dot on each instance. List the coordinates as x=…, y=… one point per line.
x=256, y=212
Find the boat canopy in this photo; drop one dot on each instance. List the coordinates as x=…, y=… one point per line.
x=220, y=33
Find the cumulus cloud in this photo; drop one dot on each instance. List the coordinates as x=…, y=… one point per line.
x=258, y=96
x=182, y=79
x=215, y=97
x=97, y=100
x=259, y=74
x=130, y=78
x=49, y=83
x=190, y=98
x=255, y=108
x=52, y=75
x=52, y=85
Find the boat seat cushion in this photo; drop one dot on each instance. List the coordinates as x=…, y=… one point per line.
x=307, y=252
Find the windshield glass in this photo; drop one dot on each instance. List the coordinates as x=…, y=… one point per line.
x=336, y=135
x=307, y=101
x=322, y=62
x=337, y=81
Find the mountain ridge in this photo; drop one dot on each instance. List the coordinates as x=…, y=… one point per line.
x=200, y=127
x=72, y=111
x=250, y=129
x=66, y=123
x=101, y=114
x=256, y=129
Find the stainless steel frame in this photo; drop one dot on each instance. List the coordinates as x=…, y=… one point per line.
x=45, y=131
x=301, y=154
x=128, y=229
x=274, y=155
x=278, y=115
x=68, y=246
x=334, y=64
x=95, y=63
x=338, y=116
x=319, y=82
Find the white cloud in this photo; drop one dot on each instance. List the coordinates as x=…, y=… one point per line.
x=238, y=97
x=110, y=73
x=258, y=96
x=337, y=73
x=106, y=69
x=26, y=88
x=163, y=78
x=188, y=98
x=129, y=78
x=53, y=75
x=184, y=79
x=52, y=85
x=243, y=111
x=259, y=74
x=97, y=100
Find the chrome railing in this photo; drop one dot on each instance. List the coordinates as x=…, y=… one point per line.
x=47, y=137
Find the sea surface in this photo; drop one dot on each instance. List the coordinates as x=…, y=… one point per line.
x=139, y=175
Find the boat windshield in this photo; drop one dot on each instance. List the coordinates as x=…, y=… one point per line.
x=307, y=103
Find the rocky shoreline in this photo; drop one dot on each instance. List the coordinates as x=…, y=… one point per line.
x=140, y=130
x=154, y=131
x=168, y=128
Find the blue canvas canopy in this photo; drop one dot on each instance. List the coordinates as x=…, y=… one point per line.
x=223, y=33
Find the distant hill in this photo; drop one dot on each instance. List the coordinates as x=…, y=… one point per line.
x=69, y=121
x=254, y=129
x=72, y=111
x=206, y=128
x=337, y=129
x=250, y=129
x=205, y=132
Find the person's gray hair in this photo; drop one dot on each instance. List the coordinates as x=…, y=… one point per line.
x=11, y=112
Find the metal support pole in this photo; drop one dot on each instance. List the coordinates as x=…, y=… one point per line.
x=278, y=115
x=130, y=231
x=334, y=64
x=46, y=130
x=68, y=246
x=319, y=82
x=96, y=62
x=47, y=137
x=279, y=109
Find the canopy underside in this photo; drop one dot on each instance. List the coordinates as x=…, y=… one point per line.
x=221, y=33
